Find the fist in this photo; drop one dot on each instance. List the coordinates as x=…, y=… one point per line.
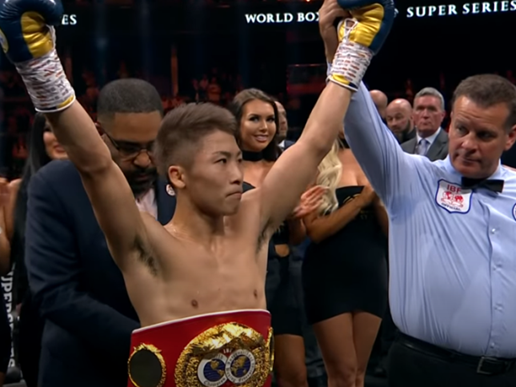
x=26, y=27
x=372, y=22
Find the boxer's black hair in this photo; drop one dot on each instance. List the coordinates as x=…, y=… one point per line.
x=128, y=95
x=487, y=90
x=184, y=127
x=272, y=150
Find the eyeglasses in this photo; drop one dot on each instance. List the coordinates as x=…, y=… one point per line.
x=130, y=151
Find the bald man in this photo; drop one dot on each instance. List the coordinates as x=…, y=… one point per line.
x=380, y=100
x=399, y=119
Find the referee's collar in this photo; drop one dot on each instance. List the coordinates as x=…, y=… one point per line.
x=498, y=174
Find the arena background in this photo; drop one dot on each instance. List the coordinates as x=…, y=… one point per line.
x=172, y=42
x=272, y=45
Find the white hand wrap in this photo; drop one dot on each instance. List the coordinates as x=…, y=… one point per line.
x=351, y=60
x=46, y=82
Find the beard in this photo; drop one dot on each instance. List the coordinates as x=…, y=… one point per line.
x=141, y=180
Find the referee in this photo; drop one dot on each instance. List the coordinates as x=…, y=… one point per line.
x=452, y=239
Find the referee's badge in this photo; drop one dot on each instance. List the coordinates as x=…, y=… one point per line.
x=453, y=198
x=514, y=212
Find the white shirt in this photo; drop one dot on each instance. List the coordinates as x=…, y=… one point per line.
x=451, y=249
x=147, y=203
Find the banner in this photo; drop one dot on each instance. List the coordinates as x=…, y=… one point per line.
x=8, y=290
x=486, y=7
x=89, y=21
x=69, y=19
x=282, y=17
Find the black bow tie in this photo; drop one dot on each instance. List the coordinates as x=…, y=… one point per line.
x=492, y=185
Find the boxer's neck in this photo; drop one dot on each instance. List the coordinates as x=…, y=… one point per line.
x=191, y=222
x=252, y=156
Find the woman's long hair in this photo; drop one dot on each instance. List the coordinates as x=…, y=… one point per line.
x=36, y=159
x=272, y=150
x=330, y=170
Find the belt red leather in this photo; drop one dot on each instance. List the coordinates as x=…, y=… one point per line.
x=212, y=350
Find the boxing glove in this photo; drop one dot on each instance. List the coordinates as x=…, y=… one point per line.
x=27, y=37
x=360, y=37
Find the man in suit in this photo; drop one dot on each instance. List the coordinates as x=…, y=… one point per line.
x=399, y=118
x=429, y=112
x=283, y=127
x=77, y=286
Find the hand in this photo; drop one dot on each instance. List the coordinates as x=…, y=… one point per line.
x=367, y=196
x=310, y=202
x=374, y=19
x=360, y=38
x=5, y=193
x=34, y=37
x=328, y=14
x=27, y=37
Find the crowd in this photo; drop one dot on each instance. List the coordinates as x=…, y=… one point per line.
x=216, y=86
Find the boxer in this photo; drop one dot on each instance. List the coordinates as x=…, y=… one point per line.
x=197, y=284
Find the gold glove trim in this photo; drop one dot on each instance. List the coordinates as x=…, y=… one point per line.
x=370, y=21
x=147, y=367
x=227, y=352
x=36, y=34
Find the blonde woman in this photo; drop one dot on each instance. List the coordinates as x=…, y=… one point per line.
x=345, y=268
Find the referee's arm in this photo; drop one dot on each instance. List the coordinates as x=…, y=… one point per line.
x=390, y=171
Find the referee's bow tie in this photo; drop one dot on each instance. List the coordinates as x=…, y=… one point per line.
x=492, y=185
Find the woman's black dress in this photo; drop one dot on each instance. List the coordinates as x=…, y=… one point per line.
x=348, y=271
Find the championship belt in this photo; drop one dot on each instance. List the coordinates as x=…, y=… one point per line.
x=219, y=349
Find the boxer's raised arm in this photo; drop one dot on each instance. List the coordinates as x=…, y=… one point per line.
x=295, y=169
x=107, y=188
x=29, y=43
x=388, y=168
x=360, y=37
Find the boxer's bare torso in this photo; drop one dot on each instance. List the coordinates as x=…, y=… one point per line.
x=175, y=275
x=212, y=257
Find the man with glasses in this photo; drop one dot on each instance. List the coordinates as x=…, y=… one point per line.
x=78, y=287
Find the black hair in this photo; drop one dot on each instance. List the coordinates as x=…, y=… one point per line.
x=128, y=95
x=487, y=90
x=36, y=159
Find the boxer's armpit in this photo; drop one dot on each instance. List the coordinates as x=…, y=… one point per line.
x=144, y=254
x=263, y=237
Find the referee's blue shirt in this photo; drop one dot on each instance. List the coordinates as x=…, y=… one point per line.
x=452, y=250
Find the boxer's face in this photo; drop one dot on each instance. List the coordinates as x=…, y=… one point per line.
x=130, y=137
x=214, y=179
x=257, y=126
x=478, y=137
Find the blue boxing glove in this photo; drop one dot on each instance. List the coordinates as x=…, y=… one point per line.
x=27, y=37
x=360, y=37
